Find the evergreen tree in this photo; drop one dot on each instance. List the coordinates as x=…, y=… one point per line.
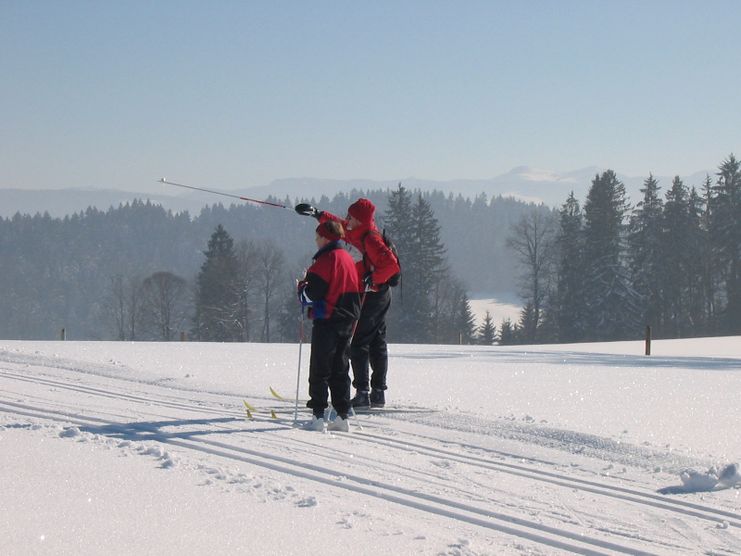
x=428, y=259
x=612, y=304
x=398, y=222
x=487, y=332
x=646, y=256
x=507, y=333
x=527, y=324
x=422, y=257
x=247, y=261
x=570, y=311
x=399, y=226
x=698, y=255
x=457, y=325
x=676, y=239
x=711, y=267
x=218, y=292
x=725, y=227
x=466, y=320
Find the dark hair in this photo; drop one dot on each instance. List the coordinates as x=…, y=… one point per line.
x=331, y=230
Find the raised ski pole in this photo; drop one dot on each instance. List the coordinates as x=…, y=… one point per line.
x=277, y=205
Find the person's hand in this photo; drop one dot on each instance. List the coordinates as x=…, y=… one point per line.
x=301, y=291
x=368, y=280
x=305, y=209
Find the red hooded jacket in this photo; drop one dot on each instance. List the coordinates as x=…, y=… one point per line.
x=377, y=259
x=332, y=285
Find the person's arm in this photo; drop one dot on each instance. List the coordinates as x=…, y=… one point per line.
x=381, y=258
x=305, y=209
x=316, y=287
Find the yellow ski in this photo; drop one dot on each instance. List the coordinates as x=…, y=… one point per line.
x=250, y=409
x=276, y=394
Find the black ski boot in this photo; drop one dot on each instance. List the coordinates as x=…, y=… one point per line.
x=377, y=398
x=361, y=399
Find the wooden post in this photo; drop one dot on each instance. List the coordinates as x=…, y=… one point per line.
x=63, y=335
x=182, y=335
x=648, y=340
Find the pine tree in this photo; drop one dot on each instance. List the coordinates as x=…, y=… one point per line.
x=675, y=243
x=612, y=304
x=646, y=256
x=429, y=259
x=422, y=255
x=710, y=264
x=570, y=311
x=487, y=332
x=697, y=249
x=507, y=333
x=726, y=234
x=460, y=326
x=399, y=227
x=218, y=292
x=398, y=222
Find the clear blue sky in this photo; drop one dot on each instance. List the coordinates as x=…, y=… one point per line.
x=238, y=93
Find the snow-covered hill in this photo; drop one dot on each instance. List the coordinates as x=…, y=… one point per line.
x=121, y=448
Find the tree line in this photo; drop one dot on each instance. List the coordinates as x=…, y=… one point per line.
x=132, y=272
x=598, y=272
x=608, y=270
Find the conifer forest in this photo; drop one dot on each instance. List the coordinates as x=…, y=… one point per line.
x=592, y=269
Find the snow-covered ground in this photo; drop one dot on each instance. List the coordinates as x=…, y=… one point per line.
x=121, y=448
x=500, y=306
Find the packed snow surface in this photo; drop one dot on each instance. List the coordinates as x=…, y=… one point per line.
x=147, y=448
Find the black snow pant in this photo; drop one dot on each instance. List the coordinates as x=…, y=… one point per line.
x=329, y=367
x=368, y=350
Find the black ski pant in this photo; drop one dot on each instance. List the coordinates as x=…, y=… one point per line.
x=329, y=366
x=368, y=350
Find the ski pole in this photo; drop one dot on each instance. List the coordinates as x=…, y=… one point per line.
x=278, y=205
x=300, y=345
x=355, y=324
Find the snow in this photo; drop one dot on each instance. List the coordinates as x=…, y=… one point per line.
x=500, y=306
x=143, y=448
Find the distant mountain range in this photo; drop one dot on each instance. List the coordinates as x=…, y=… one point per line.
x=525, y=183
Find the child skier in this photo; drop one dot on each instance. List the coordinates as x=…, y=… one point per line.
x=332, y=289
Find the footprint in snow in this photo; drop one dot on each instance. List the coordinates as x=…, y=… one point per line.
x=308, y=502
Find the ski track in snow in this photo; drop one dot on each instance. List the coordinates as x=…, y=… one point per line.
x=437, y=464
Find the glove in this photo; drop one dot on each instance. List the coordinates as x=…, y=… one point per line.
x=368, y=280
x=305, y=209
x=301, y=291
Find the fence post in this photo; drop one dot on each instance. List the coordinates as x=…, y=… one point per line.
x=648, y=340
x=63, y=335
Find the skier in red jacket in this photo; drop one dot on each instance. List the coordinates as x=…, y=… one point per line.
x=377, y=266
x=332, y=289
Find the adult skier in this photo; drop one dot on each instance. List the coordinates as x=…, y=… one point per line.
x=375, y=269
x=332, y=289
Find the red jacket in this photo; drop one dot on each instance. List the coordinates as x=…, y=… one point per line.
x=377, y=259
x=332, y=284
